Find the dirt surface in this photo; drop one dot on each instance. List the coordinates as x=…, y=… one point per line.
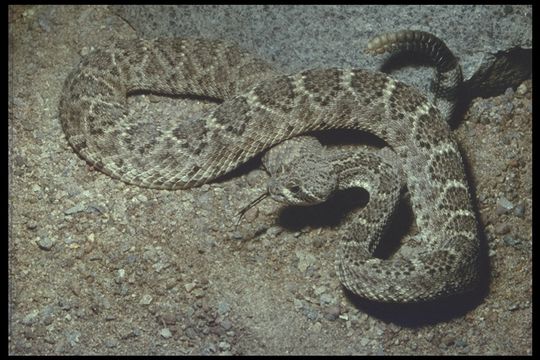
x=101, y=267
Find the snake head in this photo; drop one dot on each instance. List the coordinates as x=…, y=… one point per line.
x=303, y=185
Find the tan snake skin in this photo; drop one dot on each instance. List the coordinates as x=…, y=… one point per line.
x=262, y=109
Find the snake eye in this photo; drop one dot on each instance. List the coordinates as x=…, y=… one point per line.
x=294, y=189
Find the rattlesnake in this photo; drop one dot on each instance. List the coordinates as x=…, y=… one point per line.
x=263, y=108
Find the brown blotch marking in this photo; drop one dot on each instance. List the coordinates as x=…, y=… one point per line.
x=424, y=134
x=96, y=131
x=324, y=84
x=277, y=93
x=405, y=98
x=234, y=114
x=154, y=68
x=431, y=129
x=462, y=222
x=200, y=147
x=454, y=199
x=443, y=167
x=368, y=86
x=144, y=148
x=253, y=67
x=100, y=59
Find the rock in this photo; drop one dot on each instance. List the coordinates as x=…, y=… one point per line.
x=223, y=308
x=45, y=243
x=461, y=343
x=111, y=343
x=190, y=286
x=522, y=89
x=502, y=228
x=504, y=205
x=73, y=337
x=223, y=345
x=311, y=313
x=326, y=299
x=226, y=325
x=199, y=293
x=169, y=318
x=165, y=333
x=146, y=299
x=511, y=241
x=274, y=231
x=305, y=260
x=75, y=209
x=519, y=210
x=31, y=318
x=332, y=313
x=449, y=340
x=209, y=348
x=321, y=289
x=31, y=225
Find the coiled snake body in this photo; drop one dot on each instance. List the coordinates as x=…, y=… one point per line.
x=262, y=109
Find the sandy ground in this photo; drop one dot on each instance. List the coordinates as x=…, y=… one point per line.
x=101, y=267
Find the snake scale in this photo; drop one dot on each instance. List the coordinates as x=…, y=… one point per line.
x=262, y=108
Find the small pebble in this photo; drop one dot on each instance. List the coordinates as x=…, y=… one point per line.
x=274, y=231
x=96, y=208
x=321, y=289
x=31, y=318
x=223, y=308
x=141, y=198
x=73, y=337
x=199, y=293
x=190, y=333
x=75, y=209
x=522, y=89
x=305, y=260
x=166, y=333
x=226, y=325
x=502, y=229
x=121, y=273
x=461, y=343
x=45, y=243
x=111, y=343
x=326, y=299
x=190, y=286
x=332, y=313
x=504, y=205
x=510, y=240
x=317, y=327
x=449, y=340
x=209, y=348
x=251, y=215
x=146, y=299
x=169, y=318
x=311, y=313
x=31, y=225
x=519, y=210
x=223, y=345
